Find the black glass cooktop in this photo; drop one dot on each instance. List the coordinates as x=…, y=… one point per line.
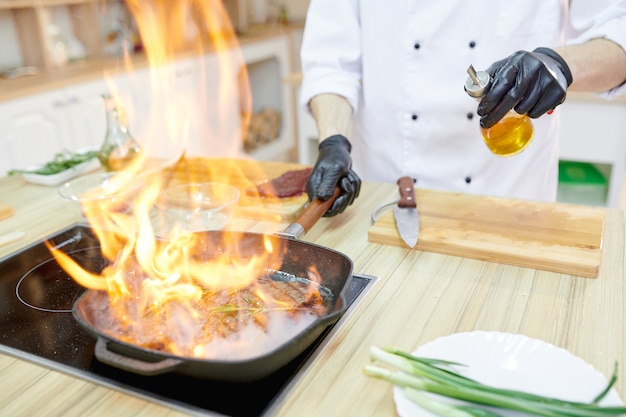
x=36, y=324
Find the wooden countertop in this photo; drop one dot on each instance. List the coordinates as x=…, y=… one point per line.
x=418, y=297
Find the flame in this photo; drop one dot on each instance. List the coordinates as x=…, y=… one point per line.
x=161, y=289
x=162, y=25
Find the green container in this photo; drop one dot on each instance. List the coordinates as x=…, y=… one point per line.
x=581, y=183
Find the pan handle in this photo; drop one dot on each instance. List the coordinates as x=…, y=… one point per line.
x=104, y=355
x=309, y=216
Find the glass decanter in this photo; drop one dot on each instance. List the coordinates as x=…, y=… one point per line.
x=119, y=148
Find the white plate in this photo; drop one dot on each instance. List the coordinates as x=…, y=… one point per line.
x=516, y=362
x=61, y=177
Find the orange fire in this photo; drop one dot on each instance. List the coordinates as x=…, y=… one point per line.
x=164, y=293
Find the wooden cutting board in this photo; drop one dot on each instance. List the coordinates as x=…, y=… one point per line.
x=243, y=174
x=6, y=210
x=562, y=238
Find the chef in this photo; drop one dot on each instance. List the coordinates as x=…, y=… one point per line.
x=384, y=81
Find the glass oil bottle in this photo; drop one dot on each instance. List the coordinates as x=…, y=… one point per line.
x=119, y=148
x=513, y=133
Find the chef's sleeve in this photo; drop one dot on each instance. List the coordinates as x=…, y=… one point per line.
x=331, y=51
x=598, y=19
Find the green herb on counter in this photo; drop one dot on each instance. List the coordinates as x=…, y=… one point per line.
x=61, y=162
x=416, y=375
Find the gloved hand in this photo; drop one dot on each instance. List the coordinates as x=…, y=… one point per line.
x=532, y=83
x=334, y=168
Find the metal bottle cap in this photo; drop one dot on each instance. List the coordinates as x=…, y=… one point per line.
x=478, y=83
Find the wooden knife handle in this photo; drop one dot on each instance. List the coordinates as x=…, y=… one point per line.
x=407, y=192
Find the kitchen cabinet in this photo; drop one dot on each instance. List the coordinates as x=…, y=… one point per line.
x=67, y=102
x=85, y=114
x=34, y=129
x=97, y=26
x=25, y=124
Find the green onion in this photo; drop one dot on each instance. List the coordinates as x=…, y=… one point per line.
x=444, y=409
x=61, y=162
x=415, y=374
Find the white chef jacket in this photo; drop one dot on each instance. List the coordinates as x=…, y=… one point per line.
x=402, y=65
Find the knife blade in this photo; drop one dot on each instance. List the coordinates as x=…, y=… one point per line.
x=405, y=212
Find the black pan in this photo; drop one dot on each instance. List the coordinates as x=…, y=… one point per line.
x=334, y=268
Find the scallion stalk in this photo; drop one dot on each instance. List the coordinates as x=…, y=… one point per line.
x=437, y=377
x=444, y=409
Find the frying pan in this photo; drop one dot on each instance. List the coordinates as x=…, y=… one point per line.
x=334, y=268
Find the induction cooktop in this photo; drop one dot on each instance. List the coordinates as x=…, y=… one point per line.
x=36, y=324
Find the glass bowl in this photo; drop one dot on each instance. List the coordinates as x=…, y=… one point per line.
x=99, y=194
x=195, y=207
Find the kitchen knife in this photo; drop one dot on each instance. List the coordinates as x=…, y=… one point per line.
x=405, y=212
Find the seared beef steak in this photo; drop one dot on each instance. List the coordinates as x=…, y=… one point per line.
x=290, y=184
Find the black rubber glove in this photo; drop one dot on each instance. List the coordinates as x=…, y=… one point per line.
x=334, y=168
x=532, y=83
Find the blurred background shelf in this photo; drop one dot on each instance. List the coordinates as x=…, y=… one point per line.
x=60, y=106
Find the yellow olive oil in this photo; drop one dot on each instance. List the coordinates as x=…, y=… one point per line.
x=115, y=162
x=509, y=136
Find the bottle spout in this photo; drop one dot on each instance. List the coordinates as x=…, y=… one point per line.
x=472, y=73
x=478, y=82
